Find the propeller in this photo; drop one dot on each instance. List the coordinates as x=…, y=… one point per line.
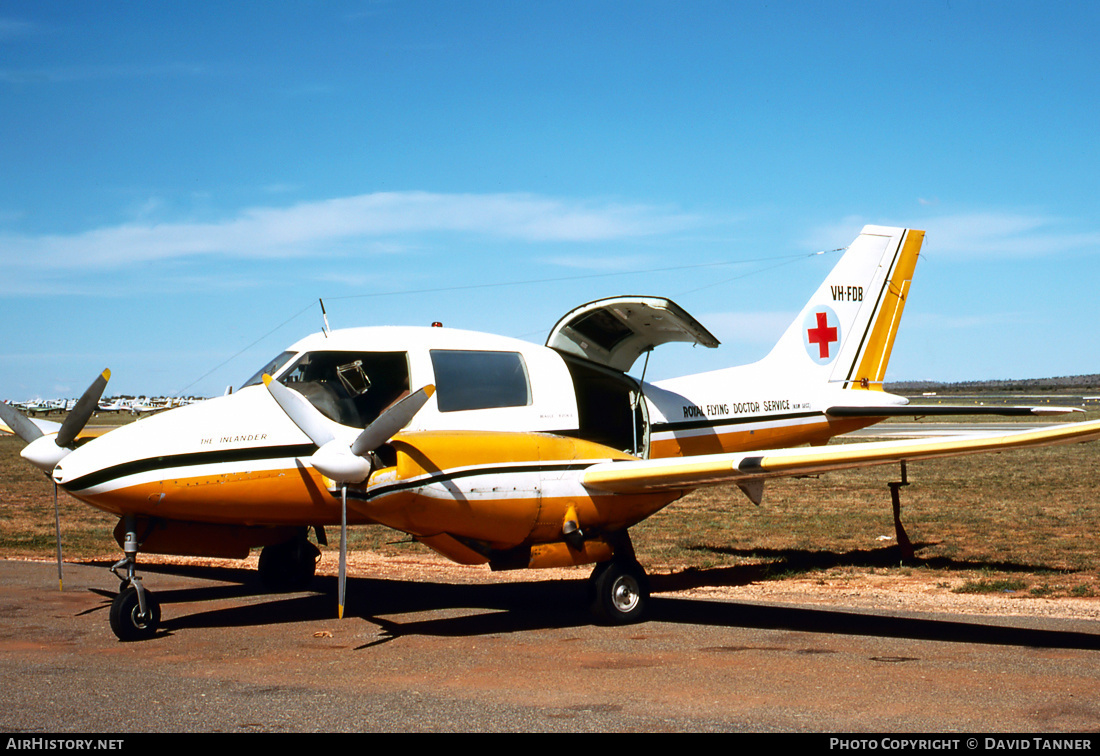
x=335, y=458
x=45, y=449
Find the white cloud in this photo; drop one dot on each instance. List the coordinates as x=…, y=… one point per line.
x=315, y=227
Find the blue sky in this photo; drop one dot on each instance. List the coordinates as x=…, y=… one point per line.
x=181, y=182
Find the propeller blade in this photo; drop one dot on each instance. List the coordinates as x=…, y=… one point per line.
x=392, y=420
x=301, y=412
x=57, y=526
x=20, y=424
x=343, y=577
x=83, y=410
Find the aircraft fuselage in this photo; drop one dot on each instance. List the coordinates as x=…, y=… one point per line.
x=239, y=458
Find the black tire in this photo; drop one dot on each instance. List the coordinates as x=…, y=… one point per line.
x=619, y=592
x=288, y=566
x=128, y=623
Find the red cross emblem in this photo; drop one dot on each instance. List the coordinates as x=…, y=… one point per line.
x=823, y=335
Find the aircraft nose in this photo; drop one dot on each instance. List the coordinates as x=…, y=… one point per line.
x=78, y=463
x=59, y=474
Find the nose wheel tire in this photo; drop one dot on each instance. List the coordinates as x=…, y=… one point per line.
x=128, y=622
x=619, y=592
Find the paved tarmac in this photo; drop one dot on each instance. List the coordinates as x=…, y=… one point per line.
x=518, y=657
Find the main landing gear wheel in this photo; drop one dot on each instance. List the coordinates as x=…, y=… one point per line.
x=288, y=566
x=619, y=592
x=128, y=622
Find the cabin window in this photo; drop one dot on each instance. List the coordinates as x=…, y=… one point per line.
x=351, y=388
x=469, y=380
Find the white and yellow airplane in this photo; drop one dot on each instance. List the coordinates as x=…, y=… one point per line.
x=496, y=451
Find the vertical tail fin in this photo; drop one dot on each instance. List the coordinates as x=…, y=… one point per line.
x=846, y=331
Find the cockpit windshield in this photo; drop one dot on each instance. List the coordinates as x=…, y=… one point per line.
x=270, y=369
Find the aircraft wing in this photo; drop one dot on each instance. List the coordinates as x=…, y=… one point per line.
x=749, y=469
x=941, y=410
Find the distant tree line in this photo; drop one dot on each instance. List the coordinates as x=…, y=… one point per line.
x=1076, y=383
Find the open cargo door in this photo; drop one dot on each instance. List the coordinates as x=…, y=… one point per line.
x=614, y=332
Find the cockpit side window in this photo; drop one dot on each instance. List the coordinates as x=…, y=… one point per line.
x=351, y=388
x=469, y=380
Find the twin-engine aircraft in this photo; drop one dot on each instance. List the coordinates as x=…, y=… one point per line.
x=496, y=451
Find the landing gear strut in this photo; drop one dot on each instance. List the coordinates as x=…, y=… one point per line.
x=904, y=545
x=619, y=589
x=135, y=613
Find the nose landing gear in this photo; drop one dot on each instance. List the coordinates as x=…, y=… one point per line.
x=135, y=613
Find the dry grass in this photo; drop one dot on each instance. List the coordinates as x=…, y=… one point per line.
x=27, y=513
x=1024, y=521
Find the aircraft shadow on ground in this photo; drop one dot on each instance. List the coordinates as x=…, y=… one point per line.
x=850, y=622
x=487, y=609
x=790, y=562
x=234, y=582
